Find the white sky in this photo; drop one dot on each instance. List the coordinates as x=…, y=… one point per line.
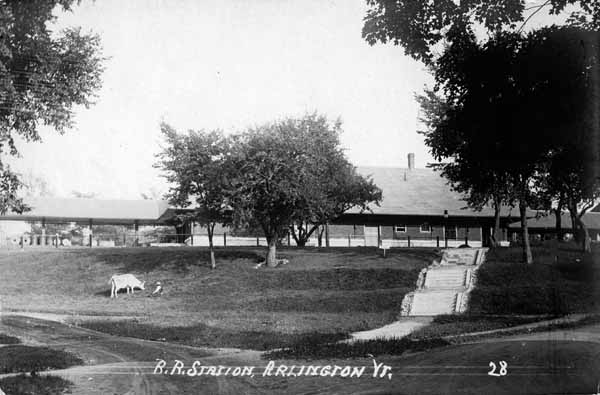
x=227, y=64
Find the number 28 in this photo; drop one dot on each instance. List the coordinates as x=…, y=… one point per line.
x=501, y=371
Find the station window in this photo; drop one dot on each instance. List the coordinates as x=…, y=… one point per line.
x=425, y=228
x=400, y=228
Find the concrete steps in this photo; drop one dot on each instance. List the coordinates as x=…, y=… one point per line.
x=433, y=303
x=446, y=277
x=443, y=288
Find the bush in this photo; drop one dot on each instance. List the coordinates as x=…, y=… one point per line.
x=6, y=339
x=16, y=359
x=47, y=385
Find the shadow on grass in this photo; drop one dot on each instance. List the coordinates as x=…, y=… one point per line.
x=206, y=336
x=561, y=280
x=47, y=385
x=6, y=339
x=452, y=325
x=147, y=259
x=18, y=358
x=306, y=349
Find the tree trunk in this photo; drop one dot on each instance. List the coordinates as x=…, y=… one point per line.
x=320, y=235
x=211, y=228
x=574, y=223
x=301, y=242
x=271, y=260
x=558, y=214
x=496, y=233
x=586, y=242
x=527, y=257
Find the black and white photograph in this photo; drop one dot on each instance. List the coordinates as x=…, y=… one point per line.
x=299, y=197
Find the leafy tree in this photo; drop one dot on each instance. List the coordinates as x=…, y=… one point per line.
x=85, y=195
x=35, y=186
x=293, y=172
x=332, y=185
x=523, y=123
x=42, y=76
x=338, y=189
x=468, y=173
x=196, y=166
x=424, y=27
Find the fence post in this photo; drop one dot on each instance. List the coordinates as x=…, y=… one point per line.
x=56, y=240
x=22, y=242
x=90, y=236
x=289, y=237
x=349, y=241
x=257, y=242
x=225, y=239
x=409, y=241
x=437, y=241
x=467, y=239
x=445, y=241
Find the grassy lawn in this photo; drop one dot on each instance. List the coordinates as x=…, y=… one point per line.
x=321, y=293
x=561, y=280
x=448, y=325
x=47, y=385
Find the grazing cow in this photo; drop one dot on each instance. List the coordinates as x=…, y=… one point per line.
x=120, y=281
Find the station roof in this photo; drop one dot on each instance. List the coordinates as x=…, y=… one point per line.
x=548, y=222
x=406, y=192
x=422, y=192
x=117, y=212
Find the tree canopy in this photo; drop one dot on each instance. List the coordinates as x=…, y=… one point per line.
x=43, y=74
x=294, y=172
x=524, y=123
x=424, y=27
x=195, y=165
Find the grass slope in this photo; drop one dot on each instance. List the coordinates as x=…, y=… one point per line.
x=320, y=293
x=561, y=280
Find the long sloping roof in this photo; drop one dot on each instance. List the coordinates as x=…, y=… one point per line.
x=590, y=219
x=81, y=210
x=405, y=192
x=420, y=192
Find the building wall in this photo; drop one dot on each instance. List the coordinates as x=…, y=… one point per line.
x=414, y=231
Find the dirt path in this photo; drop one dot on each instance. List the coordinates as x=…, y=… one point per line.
x=117, y=365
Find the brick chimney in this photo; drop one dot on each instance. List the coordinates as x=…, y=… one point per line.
x=411, y=161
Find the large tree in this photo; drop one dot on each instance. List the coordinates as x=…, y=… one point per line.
x=468, y=172
x=195, y=164
x=332, y=184
x=43, y=74
x=287, y=175
x=424, y=27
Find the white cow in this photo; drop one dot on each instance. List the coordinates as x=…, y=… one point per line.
x=128, y=281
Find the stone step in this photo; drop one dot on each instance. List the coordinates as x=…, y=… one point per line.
x=433, y=303
x=445, y=278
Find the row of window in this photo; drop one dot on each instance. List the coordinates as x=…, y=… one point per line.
x=424, y=228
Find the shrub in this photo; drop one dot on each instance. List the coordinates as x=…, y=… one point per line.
x=47, y=385
x=6, y=339
x=19, y=358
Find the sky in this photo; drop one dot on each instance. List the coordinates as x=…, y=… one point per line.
x=230, y=65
